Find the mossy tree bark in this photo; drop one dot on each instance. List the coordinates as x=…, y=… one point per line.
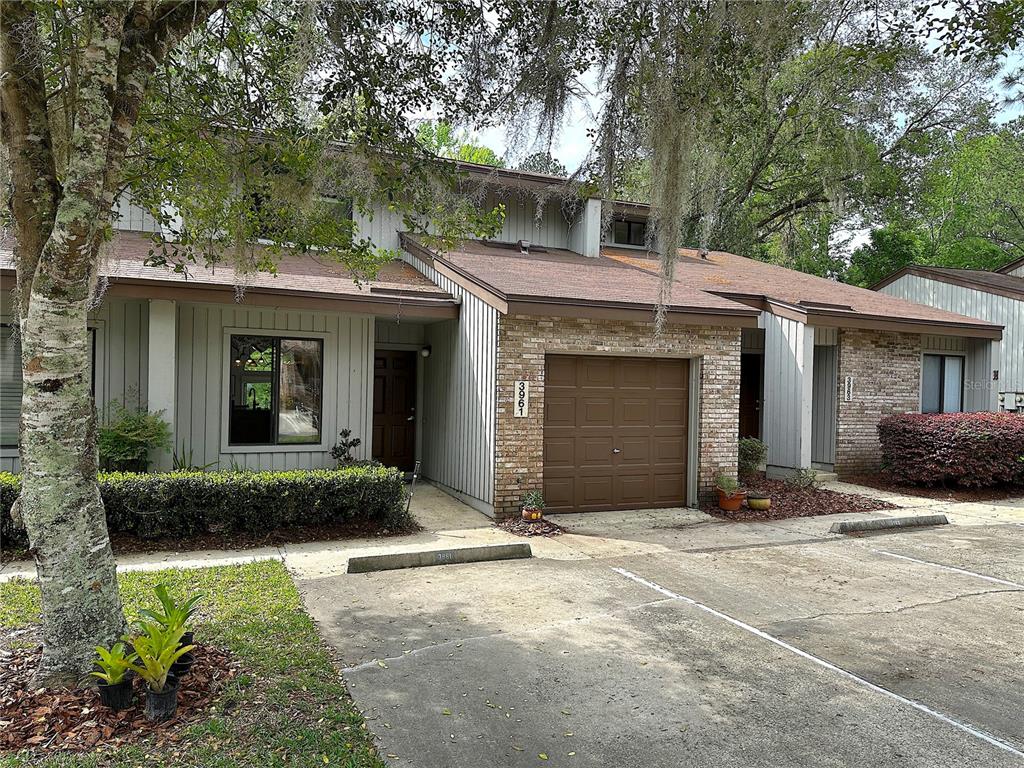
x=61, y=214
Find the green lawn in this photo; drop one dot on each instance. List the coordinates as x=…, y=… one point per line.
x=289, y=707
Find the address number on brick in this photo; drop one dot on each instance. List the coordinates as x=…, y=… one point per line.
x=848, y=389
x=521, y=406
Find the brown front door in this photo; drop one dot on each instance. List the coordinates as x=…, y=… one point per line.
x=614, y=433
x=394, y=408
x=751, y=391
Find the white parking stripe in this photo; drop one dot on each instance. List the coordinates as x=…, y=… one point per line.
x=951, y=568
x=965, y=727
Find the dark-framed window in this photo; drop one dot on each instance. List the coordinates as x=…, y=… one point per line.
x=942, y=384
x=10, y=382
x=276, y=390
x=629, y=232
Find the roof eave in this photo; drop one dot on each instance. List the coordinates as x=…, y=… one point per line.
x=962, y=281
x=525, y=304
x=430, y=306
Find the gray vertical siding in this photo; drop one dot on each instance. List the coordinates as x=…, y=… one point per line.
x=932, y=343
x=128, y=216
x=459, y=396
x=522, y=221
x=551, y=228
x=823, y=415
x=1001, y=310
x=201, y=390
x=121, y=328
x=783, y=388
x=392, y=332
x=382, y=227
x=1018, y=272
x=981, y=357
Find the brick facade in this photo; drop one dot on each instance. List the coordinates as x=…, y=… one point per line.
x=886, y=371
x=522, y=344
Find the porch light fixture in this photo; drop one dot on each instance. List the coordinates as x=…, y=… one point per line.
x=425, y=351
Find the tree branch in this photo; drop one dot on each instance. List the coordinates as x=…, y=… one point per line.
x=150, y=33
x=35, y=191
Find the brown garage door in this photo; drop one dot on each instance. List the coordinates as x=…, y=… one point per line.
x=614, y=432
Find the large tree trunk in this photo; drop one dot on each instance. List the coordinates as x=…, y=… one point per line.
x=60, y=500
x=58, y=232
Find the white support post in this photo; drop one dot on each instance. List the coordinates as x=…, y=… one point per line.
x=592, y=228
x=163, y=345
x=806, y=364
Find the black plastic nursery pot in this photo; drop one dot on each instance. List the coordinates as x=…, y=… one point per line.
x=187, y=638
x=181, y=667
x=118, y=695
x=162, y=705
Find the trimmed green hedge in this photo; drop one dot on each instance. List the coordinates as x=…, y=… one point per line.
x=189, y=503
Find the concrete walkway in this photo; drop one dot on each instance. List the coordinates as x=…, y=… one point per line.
x=450, y=524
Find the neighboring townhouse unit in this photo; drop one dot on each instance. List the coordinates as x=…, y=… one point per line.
x=526, y=362
x=995, y=297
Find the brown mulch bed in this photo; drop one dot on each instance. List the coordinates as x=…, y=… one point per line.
x=61, y=720
x=791, y=500
x=520, y=527
x=940, y=493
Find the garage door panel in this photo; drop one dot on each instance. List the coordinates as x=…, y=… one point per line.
x=669, y=449
x=595, y=412
x=559, y=410
x=560, y=372
x=559, y=493
x=594, y=451
x=670, y=411
x=559, y=452
x=593, y=491
x=671, y=375
x=637, y=373
x=595, y=405
x=633, y=411
x=635, y=450
x=595, y=372
x=631, y=490
x=668, y=488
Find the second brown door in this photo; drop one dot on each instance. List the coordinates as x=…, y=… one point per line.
x=394, y=408
x=615, y=432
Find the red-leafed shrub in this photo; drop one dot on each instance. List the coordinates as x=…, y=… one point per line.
x=969, y=449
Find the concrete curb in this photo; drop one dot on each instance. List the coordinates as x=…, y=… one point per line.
x=389, y=562
x=887, y=523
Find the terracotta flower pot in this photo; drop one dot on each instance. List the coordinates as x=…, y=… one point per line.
x=531, y=515
x=730, y=502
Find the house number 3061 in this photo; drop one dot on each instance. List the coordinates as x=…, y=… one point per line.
x=522, y=399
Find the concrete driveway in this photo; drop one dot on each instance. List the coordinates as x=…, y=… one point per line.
x=666, y=640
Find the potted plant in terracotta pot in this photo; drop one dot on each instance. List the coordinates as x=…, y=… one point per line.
x=730, y=495
x=115, y=676
x=533, y=506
